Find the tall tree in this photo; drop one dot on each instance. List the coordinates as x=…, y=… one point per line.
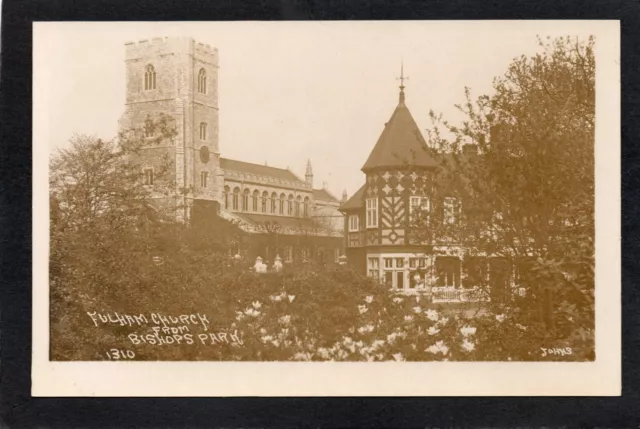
x=522, y=164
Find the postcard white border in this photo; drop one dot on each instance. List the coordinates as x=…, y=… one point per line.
x=599, y=378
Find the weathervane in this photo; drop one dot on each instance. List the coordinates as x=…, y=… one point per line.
x=401, y=79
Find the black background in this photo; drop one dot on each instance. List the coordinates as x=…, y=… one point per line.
x=19, y=410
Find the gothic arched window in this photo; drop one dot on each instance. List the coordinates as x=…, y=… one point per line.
x=298, y=206
x=236, y=198
x=265, y=197
x=255, y=196
x=202, y=81
x=203, y=131
x=283, y=198
x=245, y=200
x=274, y=203
x=226, y=197
x=306, y=207
x=290, y=205
x=150, y=78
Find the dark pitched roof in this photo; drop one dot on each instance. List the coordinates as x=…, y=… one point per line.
x=356, y=201
x=286, y=222
x=257, y=169
x=323, y=194
x=401, y=143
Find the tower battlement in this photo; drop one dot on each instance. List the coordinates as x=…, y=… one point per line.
x=170, y=45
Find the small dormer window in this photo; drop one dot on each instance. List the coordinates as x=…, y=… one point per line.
x=149, y=78
x=203, y=131
x=202, y=81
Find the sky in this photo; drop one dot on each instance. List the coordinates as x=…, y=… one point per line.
x=290, y=91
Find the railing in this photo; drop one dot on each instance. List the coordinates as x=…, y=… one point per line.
x=452, y=294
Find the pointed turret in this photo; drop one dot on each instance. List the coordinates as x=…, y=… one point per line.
x=401, y=142
x=309, y=174
x=344, y=196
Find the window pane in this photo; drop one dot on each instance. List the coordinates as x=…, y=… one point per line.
x=388, y=278
x=388, y=263
x=400, y=279
x=399, y=262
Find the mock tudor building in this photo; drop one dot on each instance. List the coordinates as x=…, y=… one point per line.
x=404, y=179
x=280, y=213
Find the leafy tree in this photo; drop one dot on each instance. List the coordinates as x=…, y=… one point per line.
x=522, y=166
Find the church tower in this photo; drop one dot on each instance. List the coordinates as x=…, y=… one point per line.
x=177, y=77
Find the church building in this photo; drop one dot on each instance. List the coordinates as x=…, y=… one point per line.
x=278, y=212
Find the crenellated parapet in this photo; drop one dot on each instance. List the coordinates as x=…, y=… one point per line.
x=170, y=46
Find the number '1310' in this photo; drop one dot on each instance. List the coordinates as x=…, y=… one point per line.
x=119, y=354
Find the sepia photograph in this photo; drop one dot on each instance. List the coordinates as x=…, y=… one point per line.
x=360, y=192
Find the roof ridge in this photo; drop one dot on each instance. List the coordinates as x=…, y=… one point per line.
x=259, y=165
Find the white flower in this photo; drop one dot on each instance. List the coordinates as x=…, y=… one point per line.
x=302, y=356
x=291, y=298
x=377, y=344
x=362, y=309
x=263, y=331
x=524, y=328
x=500, y=318
x=408, y=318
x=239, y=316
x=284, y=319
x=467, y=330
x=256, y=304
x=366, y=329
x=252, y=312
x=391, y=338
x=468, y=345
x=432, y=330
x=347, y=340
x=275, y=298
x=276, y=343
x=323, y=353
x=398, y=357
x=397, y=300
x=443, y=320
x=369, y=299
x=432, y=315
x=417, y=310
x=417, y=298
x=267, y=338
x=438, y=347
